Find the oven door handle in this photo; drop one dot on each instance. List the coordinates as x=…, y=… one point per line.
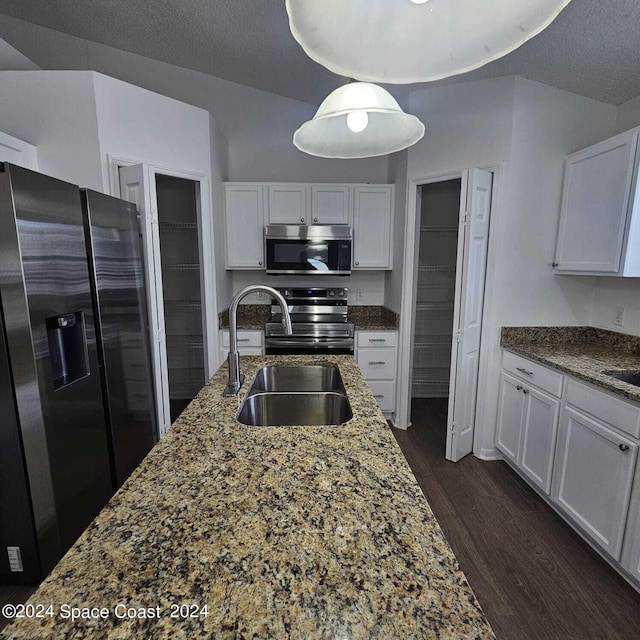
x=274, y=342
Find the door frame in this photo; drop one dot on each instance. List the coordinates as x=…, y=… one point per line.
x=410, y=280
x=205, y=240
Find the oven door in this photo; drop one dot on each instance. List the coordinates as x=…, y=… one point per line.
x=308, y=256
x=288, y=345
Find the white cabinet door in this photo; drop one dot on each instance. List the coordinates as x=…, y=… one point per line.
x=244, y=216
x=288, y=203
x=18, y=152
x=538, y=438
x=592, y=478
x=631, y=557
x=510, y=406
x=330, y=204
x=595, y=206
x=372, y=226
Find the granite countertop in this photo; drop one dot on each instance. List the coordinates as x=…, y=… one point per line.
x=369, y=317
x=283, y=532
x=583, y=352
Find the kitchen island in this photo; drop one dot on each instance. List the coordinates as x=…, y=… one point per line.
x=280, y=532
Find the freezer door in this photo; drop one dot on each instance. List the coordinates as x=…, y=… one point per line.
x=115, y=251
x=51, y=343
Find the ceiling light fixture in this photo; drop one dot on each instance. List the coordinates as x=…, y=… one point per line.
x=406, y=41
x=358, y=120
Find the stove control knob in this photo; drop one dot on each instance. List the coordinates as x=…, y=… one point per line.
x=331, y=293
x=341, y=293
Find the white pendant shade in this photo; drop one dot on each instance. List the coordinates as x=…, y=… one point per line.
x=358, y=120
x=406, y=41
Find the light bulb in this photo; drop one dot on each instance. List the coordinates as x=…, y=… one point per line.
x=357, y=121
x=419, y=1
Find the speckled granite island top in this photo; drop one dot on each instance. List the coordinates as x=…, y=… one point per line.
x=583, y=352
x=282, y=532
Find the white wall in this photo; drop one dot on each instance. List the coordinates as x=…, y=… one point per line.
x=54, y=111
x=393, y=284
x=12, y=60
x=258, y=125
x=521, y=289
x=609, y=292
x=370, y=282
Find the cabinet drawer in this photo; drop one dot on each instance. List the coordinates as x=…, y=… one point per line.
x=618, y=413
x=377, y=338
x=377, y=364
x=384, y=393
x=533, y=373
x=245, y=339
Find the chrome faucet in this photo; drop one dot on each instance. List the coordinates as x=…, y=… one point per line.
x=235, y=377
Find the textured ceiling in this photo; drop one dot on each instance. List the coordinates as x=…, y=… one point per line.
x=593, y=48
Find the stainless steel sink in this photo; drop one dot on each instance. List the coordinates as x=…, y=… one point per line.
x=632, y=377
x=298, y=408
x=285, y=395
x=322, y=377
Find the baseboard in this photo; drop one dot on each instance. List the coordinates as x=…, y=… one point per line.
x=394, y=421
x=489, y=454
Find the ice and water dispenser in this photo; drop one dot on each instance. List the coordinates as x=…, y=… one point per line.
x=67, y=348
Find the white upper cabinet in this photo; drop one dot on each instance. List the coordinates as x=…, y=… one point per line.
x=331, y=204
x=287, y=204
x=244, y=209
x=599, y=231
x=372, y=226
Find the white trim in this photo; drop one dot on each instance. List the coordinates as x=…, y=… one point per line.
x=407, y=306
x=489, y=454
x=206, y=248
x=27, y=151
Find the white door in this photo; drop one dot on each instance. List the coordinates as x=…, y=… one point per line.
x=137, y=187
x=472, y=265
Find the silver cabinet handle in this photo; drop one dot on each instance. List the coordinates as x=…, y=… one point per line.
x=554, y=264
x=243, y=340
x=315, y=219
x=260, y=262
x=375, y=363
x=519, y=387
x=623, y=447
x=357, y=263
x=526, y=373
x=525, y=391
x=377, y=339
x=379, y=395
x=301, y=219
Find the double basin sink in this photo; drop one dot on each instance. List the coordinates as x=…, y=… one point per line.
x=285, y=395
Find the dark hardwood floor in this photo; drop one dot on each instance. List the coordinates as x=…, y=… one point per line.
x=533, y=575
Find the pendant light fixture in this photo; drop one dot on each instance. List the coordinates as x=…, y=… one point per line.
x=358, y=120
x=407, y=41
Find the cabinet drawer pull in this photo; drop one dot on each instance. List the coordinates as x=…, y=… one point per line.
x=381, y=362
x=377, y=339
x=357, y=263
x=378, y=395
x=243, y=340
x=525, y=391
x=315, y=219
x=519, y=387
x=554, y=264
x=526, y=373
x=301, y=219
x=623, y=447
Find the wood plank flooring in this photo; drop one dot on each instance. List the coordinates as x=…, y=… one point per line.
x=535, y=578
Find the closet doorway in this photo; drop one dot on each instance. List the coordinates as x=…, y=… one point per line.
x=450, y=259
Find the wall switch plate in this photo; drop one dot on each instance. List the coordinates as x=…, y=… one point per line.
x=15, y=559
x=359, y=295
x=618, y=317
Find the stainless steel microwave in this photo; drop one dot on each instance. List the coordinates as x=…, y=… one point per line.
x=317, y=249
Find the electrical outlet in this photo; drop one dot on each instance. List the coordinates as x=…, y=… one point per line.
x=359, y=295
x=618, y=317
x=259, y=295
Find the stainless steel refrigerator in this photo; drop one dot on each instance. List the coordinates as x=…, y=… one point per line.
x=76, y=404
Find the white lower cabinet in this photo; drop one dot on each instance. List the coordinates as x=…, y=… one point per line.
x=593, y=477
x=577, y=444
x=376, y=354
x=527, y=426
x=250, y=343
